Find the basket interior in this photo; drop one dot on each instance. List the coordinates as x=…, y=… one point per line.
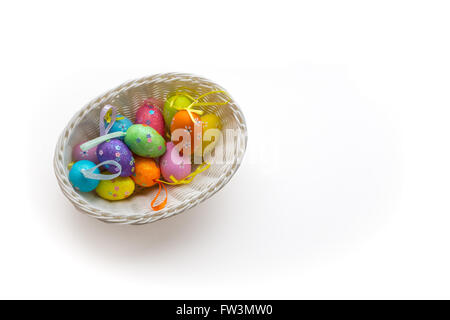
x=127, y=98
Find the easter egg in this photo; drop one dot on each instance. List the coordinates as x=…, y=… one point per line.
x=78, y=154
x=115, y=189
x=145, y=141
x=169, y=107
x=155, y=102
x=150, y=115
x=209, y=121
x=146, y=172
x=78, y=180
x=116, y=150
x=121, y=124
x=173, y=164
x=183, y=121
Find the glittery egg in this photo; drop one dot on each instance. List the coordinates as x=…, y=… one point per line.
x=172, y=164
x=209, y=121
x=116, y=189
x=122, y=123
x=116, y=150
x=155, y=102
x=147, y=171
x=183, y=121
x=145, y=141
x=78, y=180
x=78, y=154
x=150, y=115
x=169, y=107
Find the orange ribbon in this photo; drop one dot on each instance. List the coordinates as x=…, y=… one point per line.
x=164, y=202
x=186, y=180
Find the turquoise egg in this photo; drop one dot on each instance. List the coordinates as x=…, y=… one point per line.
x=78, y=180
x=120, y=125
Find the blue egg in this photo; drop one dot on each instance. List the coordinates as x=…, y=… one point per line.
x=78, y=180
x=120, y=125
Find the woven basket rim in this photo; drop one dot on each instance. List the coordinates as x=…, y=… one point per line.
x=105, y=216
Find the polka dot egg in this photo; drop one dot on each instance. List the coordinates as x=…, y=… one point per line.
x=172, y=164
x=78, y=154
x=116, y=150
x=145, y=141
x=122, y=123
x=183, y=121
x=150, y=115
x=116, y=189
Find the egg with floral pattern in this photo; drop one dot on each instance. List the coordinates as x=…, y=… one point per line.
x=155, y=102
x=122, y=123
x=78, y=154
x=174, y=164
x=150, y=115
x=115, y=149
x=182, y=121
x=145, y=141
x=116, y=189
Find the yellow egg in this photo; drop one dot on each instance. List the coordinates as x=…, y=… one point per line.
x=115, y=189
x=209, y=121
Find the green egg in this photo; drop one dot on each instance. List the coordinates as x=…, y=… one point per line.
x=145, y=141
x=169, y=111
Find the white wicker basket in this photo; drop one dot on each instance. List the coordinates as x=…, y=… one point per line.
x=127, y=98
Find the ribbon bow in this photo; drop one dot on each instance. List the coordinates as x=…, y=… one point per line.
x=188, y=178
x=195, y=102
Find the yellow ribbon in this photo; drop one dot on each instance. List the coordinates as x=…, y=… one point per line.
x=195, y=102
x=189, y=178
x=108, y=116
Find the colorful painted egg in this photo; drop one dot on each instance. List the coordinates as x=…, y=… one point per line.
x=169, y=107
x=145, y=141
x=116, y=150
x=78, y=180
x=147, y=171
x=155, y=102
x=150, y=115
x=209, y=121
x=183, y=121
x=122, y=123
x=172, y=164
x=78, y=154
x=115, y=189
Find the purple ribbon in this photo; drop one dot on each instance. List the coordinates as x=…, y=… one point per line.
x=103, y=113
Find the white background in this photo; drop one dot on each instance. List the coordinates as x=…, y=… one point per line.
x=344, y=190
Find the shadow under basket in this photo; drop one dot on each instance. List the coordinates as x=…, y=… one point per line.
x=127, y=98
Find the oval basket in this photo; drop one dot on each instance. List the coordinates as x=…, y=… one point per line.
x=127, y=98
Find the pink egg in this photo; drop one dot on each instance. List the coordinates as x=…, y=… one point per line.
x=149, y=114
x=78, y=154
x=155, y=102
x=172, y=164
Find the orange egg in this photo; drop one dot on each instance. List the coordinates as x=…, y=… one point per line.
x=183, y=121
x=146, y=172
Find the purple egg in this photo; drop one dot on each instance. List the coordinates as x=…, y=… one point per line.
x=116, y=150
x=172, y=164
x=78, y=154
